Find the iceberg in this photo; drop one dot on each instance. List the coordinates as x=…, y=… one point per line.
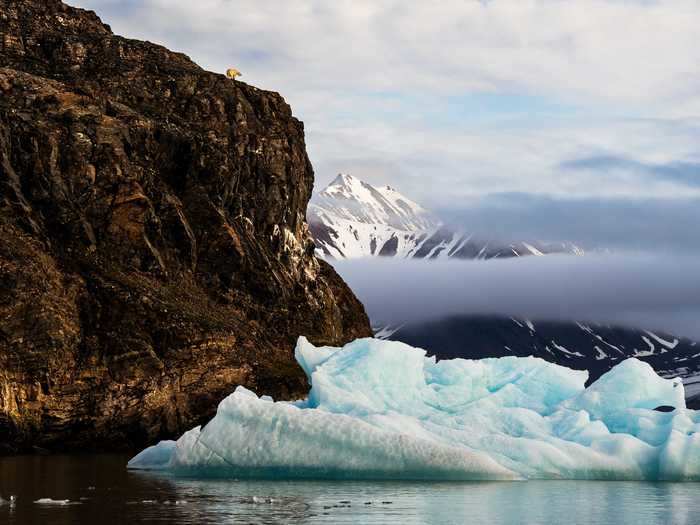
x=384, y=410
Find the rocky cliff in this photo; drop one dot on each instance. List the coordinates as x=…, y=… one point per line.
x=153, y=247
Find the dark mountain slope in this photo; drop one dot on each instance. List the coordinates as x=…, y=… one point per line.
x=592, y=347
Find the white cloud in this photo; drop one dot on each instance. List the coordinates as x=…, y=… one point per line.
x=370, y=78
x=624, y=51
x=443, y=166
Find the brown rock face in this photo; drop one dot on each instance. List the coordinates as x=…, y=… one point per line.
x=153, y=247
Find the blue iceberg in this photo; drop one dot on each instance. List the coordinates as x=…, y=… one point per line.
x=383, y=410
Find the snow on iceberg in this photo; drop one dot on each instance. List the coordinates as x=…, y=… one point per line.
x=383, y=410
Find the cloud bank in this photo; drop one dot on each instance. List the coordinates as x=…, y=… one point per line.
x=651, y=292
x=664, y=226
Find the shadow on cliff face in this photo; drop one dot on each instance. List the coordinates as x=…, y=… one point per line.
x=651, y=291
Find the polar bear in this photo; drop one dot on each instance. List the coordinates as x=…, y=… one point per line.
x=232, y=73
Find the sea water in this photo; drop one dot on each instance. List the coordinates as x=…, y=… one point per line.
x=101, y=491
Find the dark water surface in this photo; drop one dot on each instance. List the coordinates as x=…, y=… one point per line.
x=101, y=491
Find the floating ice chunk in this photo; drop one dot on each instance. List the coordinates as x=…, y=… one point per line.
x=382, y=409
x=158, y=456
x=49, y=501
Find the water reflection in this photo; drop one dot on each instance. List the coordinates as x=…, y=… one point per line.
x=100, y=490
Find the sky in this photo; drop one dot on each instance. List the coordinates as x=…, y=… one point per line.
x=460, y=99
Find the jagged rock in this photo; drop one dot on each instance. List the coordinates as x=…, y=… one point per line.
x=153, y=247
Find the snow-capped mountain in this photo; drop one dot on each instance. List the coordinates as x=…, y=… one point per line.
x=351, y=218
x=351, y=199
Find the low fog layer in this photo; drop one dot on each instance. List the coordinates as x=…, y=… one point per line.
x=643, y=291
